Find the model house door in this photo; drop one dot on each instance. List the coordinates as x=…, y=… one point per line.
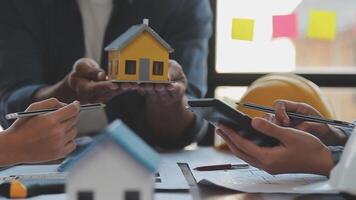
x=144, y=69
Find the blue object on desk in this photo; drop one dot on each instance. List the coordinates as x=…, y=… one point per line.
x=126, y=139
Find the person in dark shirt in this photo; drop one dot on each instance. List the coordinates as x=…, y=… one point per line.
x=43, y=44
x=306, y=147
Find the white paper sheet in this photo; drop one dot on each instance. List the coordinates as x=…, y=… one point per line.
x=157, y=196
x=32, y=172
x=253, y=180
x=171, y=176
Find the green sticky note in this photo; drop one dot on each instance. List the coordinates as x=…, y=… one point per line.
x=322, y=25
x=243, y=29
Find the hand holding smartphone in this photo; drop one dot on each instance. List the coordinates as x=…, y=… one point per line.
x=216, y=112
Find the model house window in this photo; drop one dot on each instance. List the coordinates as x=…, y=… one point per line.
x=85, y=195
x=117, y=67
x=130, y=67
x=157, y=68
x=132, y=195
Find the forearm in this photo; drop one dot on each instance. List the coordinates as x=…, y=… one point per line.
x=326, y=162
x=61, y=90
x=10, y=154
x=168, y=121
x=16, y=100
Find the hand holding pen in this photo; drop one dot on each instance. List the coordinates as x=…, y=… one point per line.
x=306, y=118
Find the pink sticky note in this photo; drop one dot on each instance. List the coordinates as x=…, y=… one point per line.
x=285, y=26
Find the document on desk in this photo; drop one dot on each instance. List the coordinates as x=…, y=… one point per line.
x=27, y=172
x=157, y=196
x=168, y=177
x=253, y=180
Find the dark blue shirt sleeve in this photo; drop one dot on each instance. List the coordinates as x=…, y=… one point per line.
x=336, y=151
x=189, y=35
x=21, y=69
x=347, y=131
x=190, y=38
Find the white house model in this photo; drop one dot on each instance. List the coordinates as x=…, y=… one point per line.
x=117, y=165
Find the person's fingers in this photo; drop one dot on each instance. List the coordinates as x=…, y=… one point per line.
x=284, y=135
x=65, y=113
x=162, y=92
x=312, y=127
x=46, y=104
x=301, y=108
x=281, y=113
x=102, y=90
x=90, y=88
x=89, y=69
x=236, y=151
x=245, y=145
x=70, y=135
x=106, y=97
x=70, y=123
x=129, y=86
x=176, y=89
x=102, y=76
x=176, y=73
x=149, y=89
x=69, y=148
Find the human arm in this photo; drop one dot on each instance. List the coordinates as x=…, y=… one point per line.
x=189, y=36
x=87, y=82
x=298, y=152
x=31, y=70
x=20, y=62
x=165, y=104
x=41, y=138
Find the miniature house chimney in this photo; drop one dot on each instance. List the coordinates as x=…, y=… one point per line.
x=146, y=21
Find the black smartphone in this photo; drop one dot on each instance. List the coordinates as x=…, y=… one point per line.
x=216, y=111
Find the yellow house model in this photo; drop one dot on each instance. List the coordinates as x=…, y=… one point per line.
x=139, y=55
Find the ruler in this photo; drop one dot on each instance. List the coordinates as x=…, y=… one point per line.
x=39, y=176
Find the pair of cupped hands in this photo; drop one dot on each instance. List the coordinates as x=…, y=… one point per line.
x=89, y=83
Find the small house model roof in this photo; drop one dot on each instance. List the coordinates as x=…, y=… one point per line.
x=122, y=41
x=125, y=138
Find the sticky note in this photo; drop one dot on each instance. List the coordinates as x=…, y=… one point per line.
x=322, y=25
x=285, y=26
x=243, y=29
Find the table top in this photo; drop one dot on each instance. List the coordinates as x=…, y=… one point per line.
x=203, y=192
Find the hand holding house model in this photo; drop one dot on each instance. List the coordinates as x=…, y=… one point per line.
x=139, y=55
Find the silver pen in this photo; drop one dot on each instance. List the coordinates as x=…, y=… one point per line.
x=45, y=111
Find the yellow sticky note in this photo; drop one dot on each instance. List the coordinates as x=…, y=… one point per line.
x=242, y=29
x=322, y=25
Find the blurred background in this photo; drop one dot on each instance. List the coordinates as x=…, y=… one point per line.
x=330, y=63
